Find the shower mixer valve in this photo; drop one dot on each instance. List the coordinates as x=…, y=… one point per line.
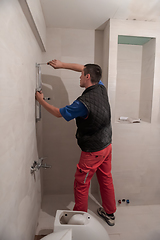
x=37, y=165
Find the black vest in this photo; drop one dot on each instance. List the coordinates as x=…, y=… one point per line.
x=94, y=133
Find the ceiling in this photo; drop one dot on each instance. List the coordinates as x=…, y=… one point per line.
x=92, y=14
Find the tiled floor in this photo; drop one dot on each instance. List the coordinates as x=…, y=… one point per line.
x=132, y=222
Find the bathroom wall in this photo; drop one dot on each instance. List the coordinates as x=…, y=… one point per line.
x=146, y=94
x=106, y=49
x=38, y=18
x=136, y=151
x=98, y=59
x=129, y=64
x=98, y=47
x=20, y=195
x=62, y=86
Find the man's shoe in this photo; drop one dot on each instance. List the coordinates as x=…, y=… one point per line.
x=110, y=219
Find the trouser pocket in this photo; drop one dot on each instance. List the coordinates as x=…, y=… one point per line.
x=81, y=175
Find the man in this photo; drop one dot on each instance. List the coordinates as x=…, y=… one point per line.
x=94, y=135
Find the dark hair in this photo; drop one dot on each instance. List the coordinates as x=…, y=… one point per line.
x=95, y=72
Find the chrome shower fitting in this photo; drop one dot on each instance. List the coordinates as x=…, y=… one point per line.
x=40, y=164
x=33, y=168
x=39, y=89
x=42, y=63
x=37, y=165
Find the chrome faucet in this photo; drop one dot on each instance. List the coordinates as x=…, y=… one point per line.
x=40, y=164
x=37, y=165
x=45, y=166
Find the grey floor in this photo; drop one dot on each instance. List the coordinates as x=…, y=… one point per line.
x=132, y=222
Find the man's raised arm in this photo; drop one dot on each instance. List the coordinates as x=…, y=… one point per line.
x=71, y=66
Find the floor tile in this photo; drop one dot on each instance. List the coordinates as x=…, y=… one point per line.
x=132, y=222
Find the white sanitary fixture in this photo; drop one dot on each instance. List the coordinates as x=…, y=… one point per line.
x=76, y=225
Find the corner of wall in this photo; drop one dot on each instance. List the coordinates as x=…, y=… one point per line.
x=33, y=13
x=106, y=37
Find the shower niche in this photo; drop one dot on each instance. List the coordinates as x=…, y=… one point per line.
x=135, y=77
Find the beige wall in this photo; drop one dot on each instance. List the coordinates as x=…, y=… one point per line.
x=129, y=63
x=20, y=192
x=38, y=18
x=136, y=151
x=147, y=80
x=98, y=49
x=59, y=142
x=106, y=50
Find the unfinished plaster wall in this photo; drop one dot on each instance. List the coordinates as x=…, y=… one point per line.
x=136, y=151
x=20, y=191
x=62, y=86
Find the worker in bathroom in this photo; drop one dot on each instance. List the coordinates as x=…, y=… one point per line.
x=94, y=136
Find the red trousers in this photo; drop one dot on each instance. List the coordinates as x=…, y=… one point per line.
x=89, y=163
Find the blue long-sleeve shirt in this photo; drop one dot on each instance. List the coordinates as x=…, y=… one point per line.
x=76, y=109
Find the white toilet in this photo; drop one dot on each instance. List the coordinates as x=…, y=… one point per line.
x=76, y=225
